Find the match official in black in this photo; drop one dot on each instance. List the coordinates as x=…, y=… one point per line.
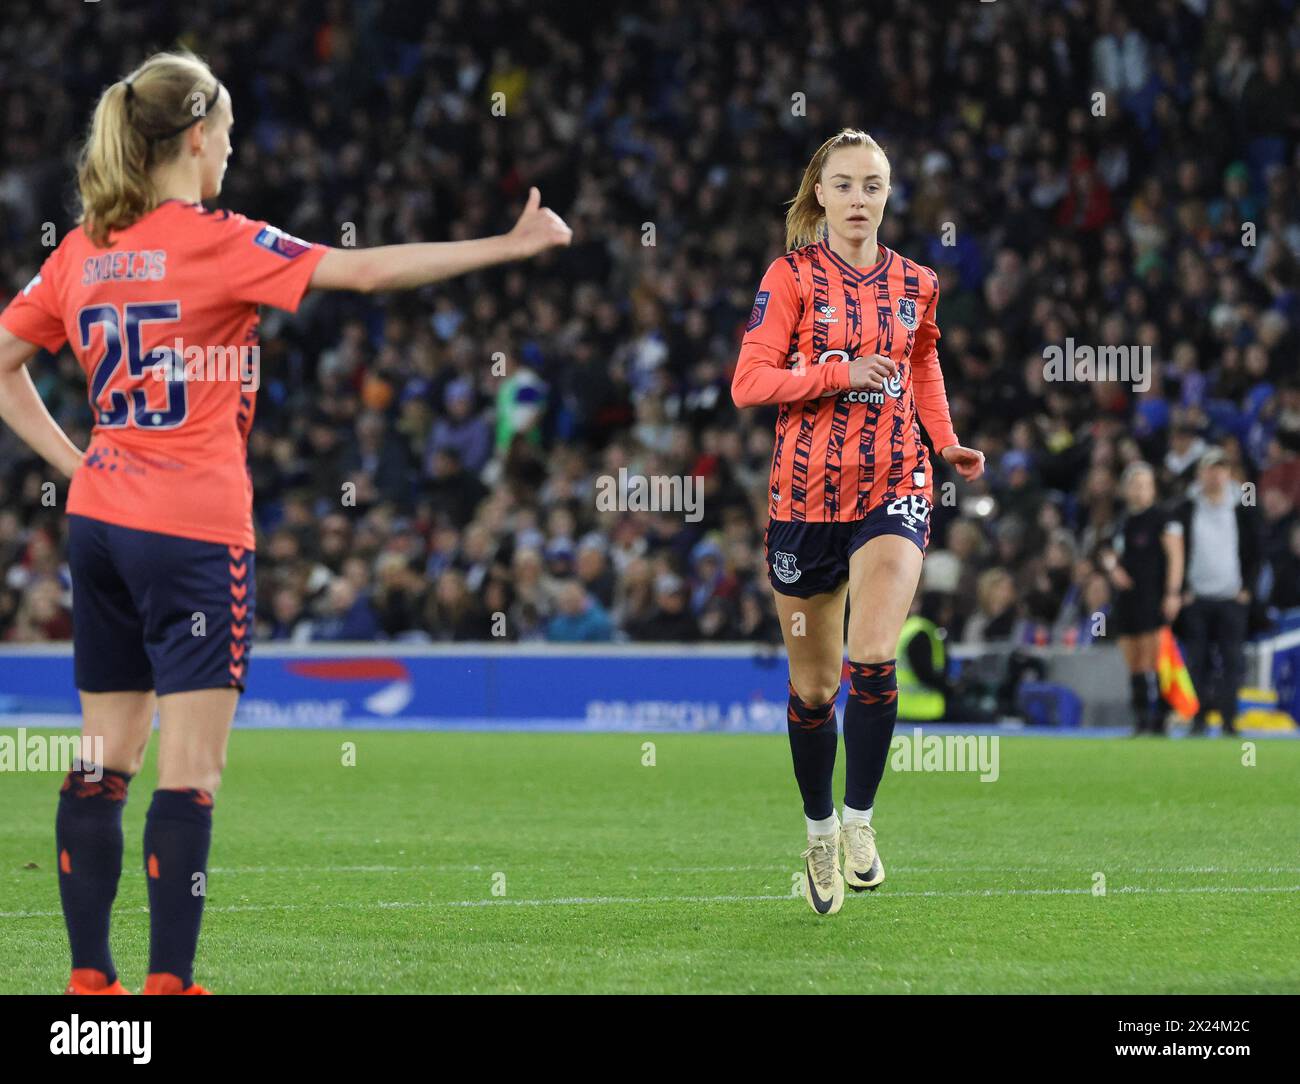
x=1145, y=563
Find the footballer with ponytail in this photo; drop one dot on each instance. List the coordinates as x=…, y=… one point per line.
x=137, y=126
x=160, y=525
x=842, y=339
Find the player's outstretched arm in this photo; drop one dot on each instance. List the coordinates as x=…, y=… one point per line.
x=23, y=411
x=405, y=267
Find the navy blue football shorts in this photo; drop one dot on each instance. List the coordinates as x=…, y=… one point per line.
x=153, y=611
x=806, y=559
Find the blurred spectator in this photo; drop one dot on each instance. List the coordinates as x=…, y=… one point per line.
x=671, y=618
x=345, y=614
x=995, y=618
x=1286, y=573
x=41, y=615
x=452, y=613
x=462, y=431
x=288, y=620
x=579, y=618
x=1223, y=559
x=399, y=598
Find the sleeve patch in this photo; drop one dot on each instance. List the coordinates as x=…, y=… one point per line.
x=281, y=243
x=759, y=310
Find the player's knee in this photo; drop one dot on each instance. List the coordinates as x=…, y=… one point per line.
x=135, y=760
x=872, y=649
x=815, y=690
x=122, y=753
x=211, y=773
x=201, y=770
x=191, y=779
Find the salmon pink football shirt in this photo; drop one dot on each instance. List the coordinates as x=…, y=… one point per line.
x=840, y=452
x=164, y=323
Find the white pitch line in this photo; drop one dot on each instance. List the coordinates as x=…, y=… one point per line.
x=769, y=869
x=653, y=870
x=332, y=869
x=584, y=901
x=976, y=869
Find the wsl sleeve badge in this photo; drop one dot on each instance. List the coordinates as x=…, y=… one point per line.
x=281, y=243
x=759, y=310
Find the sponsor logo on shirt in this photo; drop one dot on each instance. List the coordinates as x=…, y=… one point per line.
x=893, y=387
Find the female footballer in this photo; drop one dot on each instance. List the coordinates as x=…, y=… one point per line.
x=160, y=505
x=843, y=338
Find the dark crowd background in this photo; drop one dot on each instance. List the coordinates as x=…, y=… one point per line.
x=688, y=126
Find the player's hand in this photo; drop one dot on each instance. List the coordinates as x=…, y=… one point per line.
x=968, y=461
x=1172, y=604
x=1121, y=579
x=538, y=229
x=871, y=372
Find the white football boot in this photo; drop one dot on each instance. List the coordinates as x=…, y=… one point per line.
x=823, y=884
x=863, y=868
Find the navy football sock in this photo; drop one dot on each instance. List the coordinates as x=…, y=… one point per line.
x=177, y=833
x=869, y=721
x=88, y=835
x=1140, y=698
x=814, y=737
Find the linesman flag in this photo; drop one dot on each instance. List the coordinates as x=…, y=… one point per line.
x=1175, y=682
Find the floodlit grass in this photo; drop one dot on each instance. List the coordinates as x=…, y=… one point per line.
x=458, y=862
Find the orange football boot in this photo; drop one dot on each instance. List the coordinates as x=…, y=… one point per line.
x=86, y=980
x=164, y=982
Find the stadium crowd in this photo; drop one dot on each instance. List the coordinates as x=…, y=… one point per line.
x=427, y=466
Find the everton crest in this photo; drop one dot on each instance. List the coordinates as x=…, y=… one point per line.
x=785, y=567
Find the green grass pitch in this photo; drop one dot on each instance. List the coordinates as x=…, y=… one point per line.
x=466, y=862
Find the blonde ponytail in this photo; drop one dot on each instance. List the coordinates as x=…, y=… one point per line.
x=805, y=221
x=137, y=125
